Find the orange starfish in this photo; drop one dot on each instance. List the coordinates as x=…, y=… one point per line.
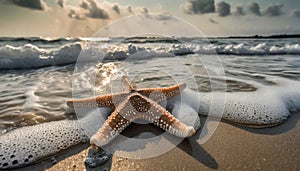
x=130, y=106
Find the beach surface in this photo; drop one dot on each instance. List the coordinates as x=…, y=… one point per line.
x=231, y=147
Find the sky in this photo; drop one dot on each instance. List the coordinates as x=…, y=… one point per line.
x=83, y=18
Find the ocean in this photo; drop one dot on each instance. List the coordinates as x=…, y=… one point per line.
x=38, y=75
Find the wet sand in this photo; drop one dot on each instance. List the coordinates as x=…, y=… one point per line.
x=231, y=147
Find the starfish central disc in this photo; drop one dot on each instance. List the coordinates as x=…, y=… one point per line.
x=139, y=103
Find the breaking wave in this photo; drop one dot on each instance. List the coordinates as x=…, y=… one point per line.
x=181, y=49
x=36, y=53
x=31, y=56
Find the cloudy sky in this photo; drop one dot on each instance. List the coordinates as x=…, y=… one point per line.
x=82, y=18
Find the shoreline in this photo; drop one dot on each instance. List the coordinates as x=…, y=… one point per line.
x=231, y=147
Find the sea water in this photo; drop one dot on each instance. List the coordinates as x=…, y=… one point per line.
x=37, y=74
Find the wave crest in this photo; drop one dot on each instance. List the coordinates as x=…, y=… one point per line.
x=31, y=56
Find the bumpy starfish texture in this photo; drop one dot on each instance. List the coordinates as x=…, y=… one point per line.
x=134, y=105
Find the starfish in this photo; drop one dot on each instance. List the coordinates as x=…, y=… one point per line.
x=133, y=105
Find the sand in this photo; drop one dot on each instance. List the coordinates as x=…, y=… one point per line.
x=231, y=147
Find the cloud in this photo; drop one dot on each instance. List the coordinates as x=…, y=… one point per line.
x=31, y=4
x=89, y=8
x=106, y=10
x=223, y=9
x=95, y=12
x=84, y=5
x=60, y=3
x=116, y=8
x=273, y=10
x=164, y=17
x=254, y=8
x=213, y=21
x=129, y=9
x=296, y=13
x=75, y=14
x=239, y=11
x=199, y=6
x=145, y=10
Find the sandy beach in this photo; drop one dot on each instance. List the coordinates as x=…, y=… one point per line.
x=230, y=148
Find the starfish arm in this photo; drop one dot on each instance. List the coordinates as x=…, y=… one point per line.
x=158, y=115
x=186, y=114
x=99, y=101
x=161, y=94
x=166, y=121
x=112, y=127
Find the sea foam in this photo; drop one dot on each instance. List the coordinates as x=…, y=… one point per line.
x=31, y=56
x=125, y=51
x=267, y=106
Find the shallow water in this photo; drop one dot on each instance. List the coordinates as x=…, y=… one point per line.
x=37, y=91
